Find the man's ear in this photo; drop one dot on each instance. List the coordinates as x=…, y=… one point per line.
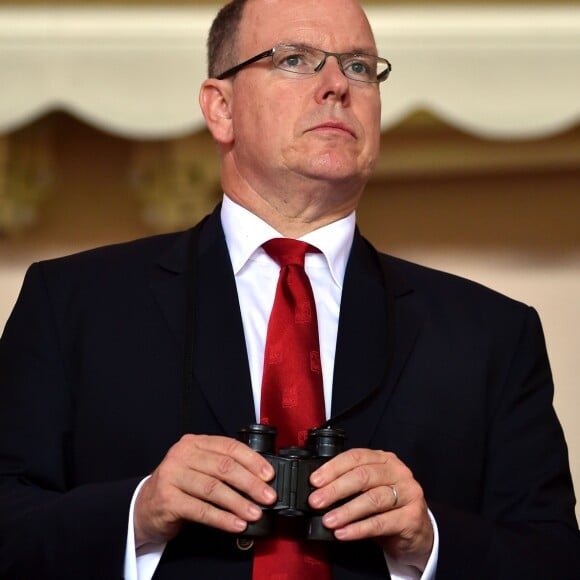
x=215, y=100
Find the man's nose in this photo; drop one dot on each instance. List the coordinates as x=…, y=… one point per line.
x=333, y=81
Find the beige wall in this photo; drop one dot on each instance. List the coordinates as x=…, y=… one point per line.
x=220, y=3
x=512, y=225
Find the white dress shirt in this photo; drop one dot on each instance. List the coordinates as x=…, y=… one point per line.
x=256, y=276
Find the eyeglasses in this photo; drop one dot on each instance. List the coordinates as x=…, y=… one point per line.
x=305, y=60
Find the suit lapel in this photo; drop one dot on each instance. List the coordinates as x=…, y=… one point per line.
x=169, y=286
x=221, y=360
x=374, y=341
x=220, y=363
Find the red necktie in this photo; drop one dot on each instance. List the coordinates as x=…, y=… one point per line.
x=292, y=399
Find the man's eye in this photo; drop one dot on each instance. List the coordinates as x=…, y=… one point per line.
x=359, y=67
x=293, y=60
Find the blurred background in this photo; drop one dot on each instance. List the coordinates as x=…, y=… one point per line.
x=101, y=140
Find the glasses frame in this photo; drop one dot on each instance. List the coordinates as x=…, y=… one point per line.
x=338, y=55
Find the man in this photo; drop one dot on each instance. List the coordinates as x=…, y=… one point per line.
x=146, y=358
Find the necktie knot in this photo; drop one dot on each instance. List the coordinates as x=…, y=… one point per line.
x=286, y=251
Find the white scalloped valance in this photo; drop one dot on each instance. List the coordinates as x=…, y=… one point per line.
x=500, y=72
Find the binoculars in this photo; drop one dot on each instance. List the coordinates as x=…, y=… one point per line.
x=292, y=466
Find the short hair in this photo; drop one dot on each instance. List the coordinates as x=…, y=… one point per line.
x=222, y=49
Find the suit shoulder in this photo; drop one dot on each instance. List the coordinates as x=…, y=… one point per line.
x=109, y=271
x=124, y=256
x=440, y=286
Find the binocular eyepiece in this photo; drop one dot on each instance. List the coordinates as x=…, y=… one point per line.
x=292, y=466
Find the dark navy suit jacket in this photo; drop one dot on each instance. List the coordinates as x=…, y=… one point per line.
x=93, y=394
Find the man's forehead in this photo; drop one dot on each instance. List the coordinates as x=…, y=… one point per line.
x=330, y=9
x=341, y=23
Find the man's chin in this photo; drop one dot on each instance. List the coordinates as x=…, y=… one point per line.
x=337, y=169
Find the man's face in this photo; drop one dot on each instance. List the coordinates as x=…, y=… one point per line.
x=288, y=128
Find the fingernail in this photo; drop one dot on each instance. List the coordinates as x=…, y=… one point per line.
x=329, y=520
x=267, y=472
x=316, y=479
x=240, y=525
x=269, y=494
x=340, y=534
x=254, y=511
x=315, y=500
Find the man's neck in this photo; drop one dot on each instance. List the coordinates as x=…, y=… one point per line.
x=295, y=206
x=293, y=219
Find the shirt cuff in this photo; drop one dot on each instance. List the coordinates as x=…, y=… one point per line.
x=400, y=571
x=141, y=563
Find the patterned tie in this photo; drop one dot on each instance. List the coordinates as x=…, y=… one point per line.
x=292, y=399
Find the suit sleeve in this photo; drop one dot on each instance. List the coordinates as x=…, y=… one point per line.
x=49, y=528
x=526, y=527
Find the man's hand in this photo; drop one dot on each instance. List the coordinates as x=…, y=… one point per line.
x=200, y=480
x=390, y=508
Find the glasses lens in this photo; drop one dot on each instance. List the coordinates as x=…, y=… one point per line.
x=297, y=59
x=307, y=61
x=360, y=67
x=365, y=67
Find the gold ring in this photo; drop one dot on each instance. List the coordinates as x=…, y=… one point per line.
x=395, y=496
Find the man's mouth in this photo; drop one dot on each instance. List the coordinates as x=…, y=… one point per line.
x=334, y=127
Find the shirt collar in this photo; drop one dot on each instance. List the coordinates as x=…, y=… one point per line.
x=245, y=233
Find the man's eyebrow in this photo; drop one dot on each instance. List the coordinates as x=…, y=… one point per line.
x=296, y=44
x=356, y=50
x=364, y=50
